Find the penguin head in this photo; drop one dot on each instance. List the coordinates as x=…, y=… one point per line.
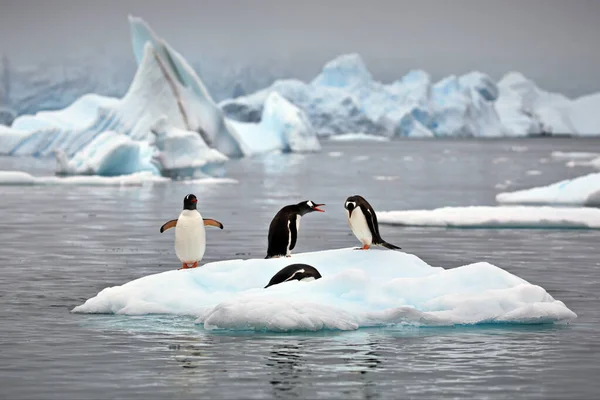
x=189, y=202
x=308, y=206
x=350, y=204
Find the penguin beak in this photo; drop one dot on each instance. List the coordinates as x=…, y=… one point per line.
x=316, y=207
x=350, y=212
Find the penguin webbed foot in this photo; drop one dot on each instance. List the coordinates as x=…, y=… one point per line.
x=185, y=266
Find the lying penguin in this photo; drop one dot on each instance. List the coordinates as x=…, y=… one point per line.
x=363, y=222
x=190, y=236
x=300, y=272
x=284, y=227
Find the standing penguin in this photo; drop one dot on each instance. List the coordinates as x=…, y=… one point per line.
x=363, y=222
x=190, y=236
x=283, y=230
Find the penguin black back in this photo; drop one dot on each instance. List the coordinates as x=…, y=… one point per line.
x=283, y=230
x=294, y=272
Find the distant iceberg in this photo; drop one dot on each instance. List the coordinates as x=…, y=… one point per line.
x=496, y=217
x=167, y=123
x=582, y=191
x=344, y=98
x=358, y=289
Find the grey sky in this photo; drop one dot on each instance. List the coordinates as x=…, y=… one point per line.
x=555, y=42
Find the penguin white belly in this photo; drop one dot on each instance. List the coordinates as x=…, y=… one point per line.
x=190, y=237
x=289, y=252
x=360, y=228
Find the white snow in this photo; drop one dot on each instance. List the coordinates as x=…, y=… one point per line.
x=583, y=191
x=166, y=123
x=24, y=178
x=358, y=137
x=358, y=289
x=496, y=217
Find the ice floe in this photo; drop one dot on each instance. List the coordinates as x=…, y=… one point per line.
x=496, y=217
x=358, y=289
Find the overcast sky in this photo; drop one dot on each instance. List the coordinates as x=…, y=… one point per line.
x=555, y=42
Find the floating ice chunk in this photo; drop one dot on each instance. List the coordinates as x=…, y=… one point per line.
x=335, y=154
x=358, y=289
x=574, y=155
x=358, y=137
x=495, y=217
x=583, y=190
x=594, y=163
x=533, y=172
x=109, y=154
x=183, y=153
x=136, y=179
x=283, y=127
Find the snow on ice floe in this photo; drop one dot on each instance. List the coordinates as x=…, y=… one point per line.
x=496, y=217
x=167, y=122
x=358, y=289
x=345, y=97
x=583, y=191
x=358, y=137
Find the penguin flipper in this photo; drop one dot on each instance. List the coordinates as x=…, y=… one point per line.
x=389, y=245
x=168, y=225
x=212, y=222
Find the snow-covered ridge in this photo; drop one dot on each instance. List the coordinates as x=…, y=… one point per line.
x=358, y=289
x=344, y=97
x=167, y=123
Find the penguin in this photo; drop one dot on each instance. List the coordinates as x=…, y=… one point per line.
x=190, y=237
x=284, y=227
x=363, y=222
x=300, y=272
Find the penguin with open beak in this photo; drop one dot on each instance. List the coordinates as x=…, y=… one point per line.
x=283, y=231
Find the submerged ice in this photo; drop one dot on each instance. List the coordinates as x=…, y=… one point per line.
x=358, y=289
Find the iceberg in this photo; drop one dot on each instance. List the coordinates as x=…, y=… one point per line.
x=496, y=217
x=358, y=289
x=344, y=98
x=166, y=123
x=581, y=191
x=283, y=127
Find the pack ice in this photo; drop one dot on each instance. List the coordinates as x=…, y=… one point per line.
x=167, y=123
x=358, y=289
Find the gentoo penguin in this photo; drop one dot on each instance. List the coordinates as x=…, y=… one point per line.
x=283, y=230
x=300, y=272
x=190, y=237
x=363, y=222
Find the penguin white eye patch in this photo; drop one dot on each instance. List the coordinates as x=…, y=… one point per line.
x=310, y=203
x=350, y=202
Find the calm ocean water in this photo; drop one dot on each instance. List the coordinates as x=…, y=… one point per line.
x=60, y=246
